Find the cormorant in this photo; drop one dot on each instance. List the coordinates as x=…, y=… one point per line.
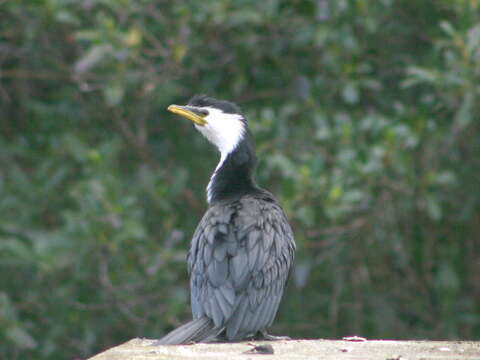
x=243, y=248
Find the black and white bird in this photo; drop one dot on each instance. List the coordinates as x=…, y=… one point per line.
x=243, y=248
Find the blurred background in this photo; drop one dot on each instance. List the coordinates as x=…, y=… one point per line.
x=365, y=115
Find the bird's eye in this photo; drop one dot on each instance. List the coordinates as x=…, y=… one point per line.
x=202, y=112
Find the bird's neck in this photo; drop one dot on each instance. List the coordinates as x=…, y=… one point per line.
x=234, y=175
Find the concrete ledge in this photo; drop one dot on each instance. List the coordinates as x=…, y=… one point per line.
x=141, y=349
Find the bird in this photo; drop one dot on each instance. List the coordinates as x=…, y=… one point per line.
x=242, y=251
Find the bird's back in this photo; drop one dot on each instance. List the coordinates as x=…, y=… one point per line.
x=239, y=261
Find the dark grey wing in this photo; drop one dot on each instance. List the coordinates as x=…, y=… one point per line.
x=239, y=261
x=267, y=240
x=213, y=245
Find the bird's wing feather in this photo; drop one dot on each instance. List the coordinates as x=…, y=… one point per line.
x=239, y=261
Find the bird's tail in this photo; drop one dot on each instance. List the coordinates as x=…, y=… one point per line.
x=198, y=330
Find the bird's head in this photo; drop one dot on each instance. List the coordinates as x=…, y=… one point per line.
x=220, y=121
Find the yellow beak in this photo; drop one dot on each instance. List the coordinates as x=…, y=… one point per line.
x=186, y=113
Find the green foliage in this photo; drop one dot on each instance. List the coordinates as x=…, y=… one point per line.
x=366, y=120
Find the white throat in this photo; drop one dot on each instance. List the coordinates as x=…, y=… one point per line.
x=225, y=131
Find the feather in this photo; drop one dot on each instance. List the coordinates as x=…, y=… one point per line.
x=238, y=267
x=198, y=330
x=259, y=313
x=258, y=281
x=217, y=313
x=268, y=313
x=223, y=304
x=262, y=258
x=210, y=234
x=205, y=302
x=253, y=257
x=237, y=319
x=217, y=272
x=228, y=293
x=232, y=248
x=220, y=250
x=268, y=237
x=249, y=321
x=253, y=238
x=222, y=228
x=207, y=254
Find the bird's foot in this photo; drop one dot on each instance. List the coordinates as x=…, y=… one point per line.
x=263, y=335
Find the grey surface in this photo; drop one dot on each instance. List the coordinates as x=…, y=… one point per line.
x=141, y=349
